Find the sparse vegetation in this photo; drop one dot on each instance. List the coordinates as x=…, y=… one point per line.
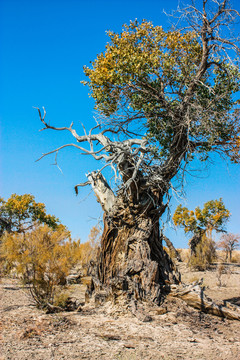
x=89, y=250
x=219, y=271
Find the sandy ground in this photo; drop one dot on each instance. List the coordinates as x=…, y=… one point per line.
x=105, y=333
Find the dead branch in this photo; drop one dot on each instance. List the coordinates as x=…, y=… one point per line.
x=194, y=296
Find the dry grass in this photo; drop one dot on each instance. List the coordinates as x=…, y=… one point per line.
x=185, y=255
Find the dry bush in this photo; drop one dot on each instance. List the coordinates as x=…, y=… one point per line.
x=205, y=254
x=31, y=332
x=43, y=258
x=223, y=270
x=61, y=299
x=220, y=255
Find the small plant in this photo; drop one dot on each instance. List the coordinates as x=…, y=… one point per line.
x=220, y=270
x=30, y=332
x=42, y=257
x=61, y=299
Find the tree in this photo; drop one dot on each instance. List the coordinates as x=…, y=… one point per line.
x=201, y=223
x=20, y=213
x=163, y=98
x=228, y=243
x=43, y=257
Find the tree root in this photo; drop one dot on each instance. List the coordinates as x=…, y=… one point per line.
x=194, y=296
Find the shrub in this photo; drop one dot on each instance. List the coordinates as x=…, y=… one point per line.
x=204, y=255
x=221, y=269
x=43, y=258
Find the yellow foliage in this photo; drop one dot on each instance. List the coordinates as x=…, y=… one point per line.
x=157, y=77
x=234, y=150
x=141, y=50
x=43, y=258
x=214, y=215
x=20, y=213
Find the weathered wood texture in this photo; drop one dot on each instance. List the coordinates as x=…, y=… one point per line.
x=132, y=260
x=194, y=296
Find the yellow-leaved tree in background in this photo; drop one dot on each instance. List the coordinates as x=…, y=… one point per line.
x=200, y=223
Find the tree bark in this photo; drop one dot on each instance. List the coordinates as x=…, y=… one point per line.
x=132, y=261
x=193, y=242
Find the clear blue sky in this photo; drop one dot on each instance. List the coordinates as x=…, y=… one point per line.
x=44, y=45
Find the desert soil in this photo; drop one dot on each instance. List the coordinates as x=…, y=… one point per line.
x=108, y=333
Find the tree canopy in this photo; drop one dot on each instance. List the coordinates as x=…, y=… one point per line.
x=213, y=216
x=179, y=85
x=166, y=95
x=20, y=212
x=200, y=223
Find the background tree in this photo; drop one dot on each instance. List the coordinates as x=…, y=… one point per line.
x=201, y=223
x=163, y=98
x=229, y=242
x=20, y=213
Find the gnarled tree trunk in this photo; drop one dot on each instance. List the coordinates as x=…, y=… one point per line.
x=132, y=261
x=194, y=241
